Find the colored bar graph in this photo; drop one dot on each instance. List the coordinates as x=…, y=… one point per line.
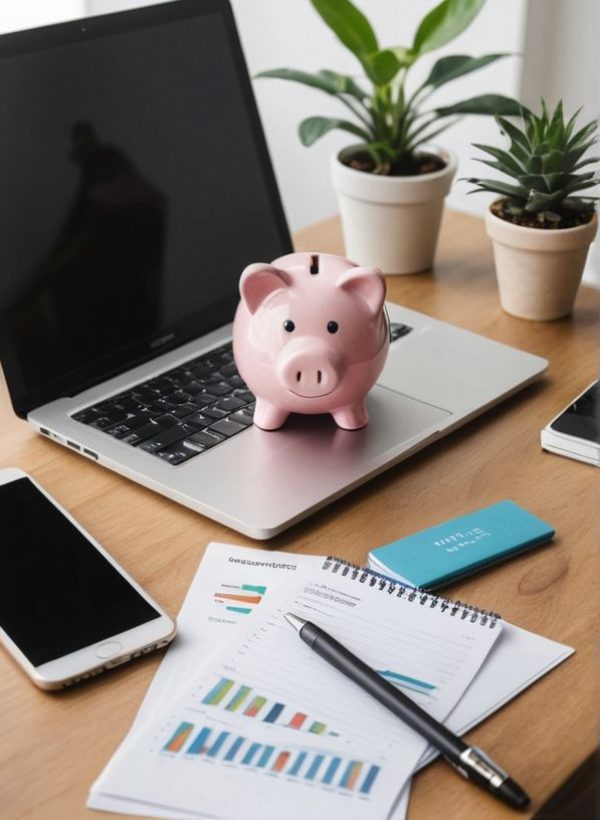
x=297, y=765
x=234, y=749
x=407, y=682
x=180, y=736
x=255, y=706
x=265, y=756
x=351, y=775
x=280, y=763
x=218, y=744
x=243, y=599
x=199, y=744
x=218, y=692
x=369, y=780
x=239, y=697
x=331, y=770
x=254, y=588
x=297, y=721
x=216, y=747
x=274, y=713
x=248, y=757
x=317, y=728
x=314, y=767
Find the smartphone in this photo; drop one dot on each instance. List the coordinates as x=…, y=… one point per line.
x=67, y=610
x=575, y=432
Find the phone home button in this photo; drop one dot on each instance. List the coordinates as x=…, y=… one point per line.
x=108, y=649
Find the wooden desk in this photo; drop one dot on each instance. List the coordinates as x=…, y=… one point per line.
x=53, y=746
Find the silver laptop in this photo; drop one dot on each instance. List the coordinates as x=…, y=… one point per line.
x=136, y=186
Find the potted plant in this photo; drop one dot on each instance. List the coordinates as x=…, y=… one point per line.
x=540, y=228
x=391, y=184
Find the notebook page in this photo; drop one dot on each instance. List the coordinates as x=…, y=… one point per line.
x=438, y=656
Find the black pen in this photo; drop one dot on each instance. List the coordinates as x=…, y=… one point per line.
x=469, y=761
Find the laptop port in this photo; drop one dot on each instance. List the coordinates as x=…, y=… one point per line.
x=90, y=453
x=73, y=445
x=44, y=431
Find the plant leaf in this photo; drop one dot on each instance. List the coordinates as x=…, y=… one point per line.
x=381, y=66
x=405, y=56
x=344, y=84
x=484, y=104
x=499, y=187
x=508, y=163
x=325, y=80
x=447, y=69
x=445, y=22
x=313, y=128
x=349, y=24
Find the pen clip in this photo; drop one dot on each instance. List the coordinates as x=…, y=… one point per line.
x=477, y=761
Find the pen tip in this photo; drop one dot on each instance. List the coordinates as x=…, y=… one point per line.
x=294, y=620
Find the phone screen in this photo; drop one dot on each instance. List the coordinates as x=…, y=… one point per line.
x=58, y=594
x=582, y=418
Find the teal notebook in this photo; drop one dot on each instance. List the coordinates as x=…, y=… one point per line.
x=436, y=556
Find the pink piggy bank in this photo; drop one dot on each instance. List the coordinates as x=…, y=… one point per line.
x=310, y=335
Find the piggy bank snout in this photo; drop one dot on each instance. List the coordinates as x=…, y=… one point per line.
x=310, y=370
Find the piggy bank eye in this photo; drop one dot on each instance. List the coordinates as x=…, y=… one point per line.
x=289, y=325
x=332, y=327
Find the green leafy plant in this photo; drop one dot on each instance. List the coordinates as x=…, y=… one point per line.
x=545, y=161
x=391, y=120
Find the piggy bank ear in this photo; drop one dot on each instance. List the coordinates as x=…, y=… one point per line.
x=260, y=280
x=367, y=283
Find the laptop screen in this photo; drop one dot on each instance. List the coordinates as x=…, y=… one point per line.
x=134, y=188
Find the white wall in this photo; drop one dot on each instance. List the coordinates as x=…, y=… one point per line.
x=562, y=61
x=21, y=14
x=289, y=33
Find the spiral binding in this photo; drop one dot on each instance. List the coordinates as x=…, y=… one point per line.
x=384, y=583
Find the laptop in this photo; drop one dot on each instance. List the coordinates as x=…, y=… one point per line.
x=136, y=186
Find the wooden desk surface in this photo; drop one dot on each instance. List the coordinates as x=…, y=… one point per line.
x=53, y=746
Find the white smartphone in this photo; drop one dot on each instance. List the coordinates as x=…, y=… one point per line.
x=575, y=432
x=67, y=610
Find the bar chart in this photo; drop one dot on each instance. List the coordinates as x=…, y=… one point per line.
x=240, y=598
x=234, y=697
x=406, y=682
x=227, y=747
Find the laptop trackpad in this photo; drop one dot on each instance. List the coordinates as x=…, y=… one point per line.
x=311, y=460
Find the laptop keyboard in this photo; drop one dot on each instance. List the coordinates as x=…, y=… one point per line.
x=186, y=410
x=181, y=413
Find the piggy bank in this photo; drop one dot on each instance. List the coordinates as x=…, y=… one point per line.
x=310, y=335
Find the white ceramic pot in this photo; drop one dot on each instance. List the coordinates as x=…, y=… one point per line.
x=392, y=222
x=538, y=270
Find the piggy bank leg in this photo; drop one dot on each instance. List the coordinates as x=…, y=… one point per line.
x=267, y=416
x=351, y=418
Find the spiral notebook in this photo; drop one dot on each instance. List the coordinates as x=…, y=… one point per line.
x=266, y=729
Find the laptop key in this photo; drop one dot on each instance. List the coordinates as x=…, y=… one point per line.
x=227, y=428
x=241, y=417
x=142, y=433
x=220, y=389
x=215, y=412
x=229, y=403
x=200, y=420
x=177, y=453
x=203, y=439
x=245, y=395
x=166, y=437
x=120, y=430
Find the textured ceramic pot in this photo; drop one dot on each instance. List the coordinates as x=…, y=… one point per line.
x=538, y=270
x=392, y=222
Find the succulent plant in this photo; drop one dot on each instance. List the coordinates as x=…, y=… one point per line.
x=390, y=120
x=545, y=161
